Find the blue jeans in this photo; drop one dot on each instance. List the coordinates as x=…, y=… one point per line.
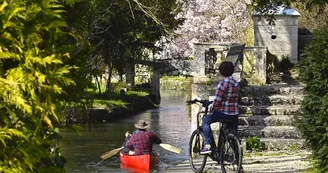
x=217, y=116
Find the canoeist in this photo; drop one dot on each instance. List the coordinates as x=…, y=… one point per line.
x=141, y=141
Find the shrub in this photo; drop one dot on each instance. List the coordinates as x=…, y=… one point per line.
x=313, y=119
x=253, y=143
x=32, y=78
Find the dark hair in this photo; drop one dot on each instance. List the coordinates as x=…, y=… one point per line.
x=226, y=68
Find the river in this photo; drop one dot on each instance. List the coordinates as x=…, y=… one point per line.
x=170, y=122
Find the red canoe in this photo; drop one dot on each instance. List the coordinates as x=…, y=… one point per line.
x=145, y=162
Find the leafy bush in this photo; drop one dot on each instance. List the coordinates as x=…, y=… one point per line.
x=253, y=143
x=32, y=78
x=313, y=119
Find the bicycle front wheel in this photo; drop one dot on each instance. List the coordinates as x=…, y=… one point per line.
x=231, y=155
x=196, y=143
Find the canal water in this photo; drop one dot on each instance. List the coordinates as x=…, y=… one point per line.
x=170, y=122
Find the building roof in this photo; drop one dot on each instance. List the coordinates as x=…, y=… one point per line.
x=280, y=10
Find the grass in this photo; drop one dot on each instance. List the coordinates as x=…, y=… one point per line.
x=310, y=170
x=112, y=99
x=277, y=153
x=109, y=103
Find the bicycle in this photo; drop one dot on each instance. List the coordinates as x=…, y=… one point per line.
x=227, y=152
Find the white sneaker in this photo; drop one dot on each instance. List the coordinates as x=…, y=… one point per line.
x=206, y=150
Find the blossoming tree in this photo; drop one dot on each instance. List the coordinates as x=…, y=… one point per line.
x=221, y=21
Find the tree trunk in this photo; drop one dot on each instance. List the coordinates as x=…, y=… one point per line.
x=130, y=70
x=98, y=84
x=110, y=71
x=130, y=73
x=108, y=62
x=155, y=86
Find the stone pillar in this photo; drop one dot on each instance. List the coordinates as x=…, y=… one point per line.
x=198, y=63
x=260, y=67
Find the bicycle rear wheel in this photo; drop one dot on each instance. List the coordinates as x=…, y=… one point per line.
x=196, y=143
x=231, y=155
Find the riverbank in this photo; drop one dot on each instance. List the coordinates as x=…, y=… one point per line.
x=112, y=106
x=108, y=109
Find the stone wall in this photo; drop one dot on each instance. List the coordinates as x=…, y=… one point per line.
x=198, y=63
x=232, y=52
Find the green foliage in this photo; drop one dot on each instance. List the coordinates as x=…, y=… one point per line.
x=293, y=147
x=32, y=77
x=136, y=93
x=310, y=170
x=109, y=103
x=248, y=31
x=175, y=83
x=313, y=120
x=110, y=100
x=248, y=65
x=310, y=18
x=253, y=143
x=121, y=31
x=116, y=87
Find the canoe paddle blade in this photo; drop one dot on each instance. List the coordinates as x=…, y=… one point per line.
x=110, y=153
x=171, y=148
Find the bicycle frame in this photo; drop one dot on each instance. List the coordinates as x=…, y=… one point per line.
x=225, y=139
x=201, y=113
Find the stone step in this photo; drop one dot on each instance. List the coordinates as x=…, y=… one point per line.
x=260, y=120
x=260, y=90
x=269, y=110
x=285, y=132
x=282, y=144
x=272, y=100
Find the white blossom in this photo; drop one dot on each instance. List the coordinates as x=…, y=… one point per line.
x=220, y=21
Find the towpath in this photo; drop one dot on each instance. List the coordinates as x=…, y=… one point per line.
x=261, y=162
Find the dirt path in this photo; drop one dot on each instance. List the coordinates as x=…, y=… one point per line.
x=263, y=162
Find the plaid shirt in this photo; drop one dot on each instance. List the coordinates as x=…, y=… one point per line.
x=226, y=97
x=143, y=142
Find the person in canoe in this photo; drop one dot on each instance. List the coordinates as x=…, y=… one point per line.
x=141, y=141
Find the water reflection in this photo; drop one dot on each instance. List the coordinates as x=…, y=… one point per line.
x=170, y=122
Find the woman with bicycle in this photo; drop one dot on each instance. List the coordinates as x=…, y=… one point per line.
x=225, y=105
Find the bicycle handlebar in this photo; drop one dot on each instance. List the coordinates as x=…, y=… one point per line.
x=205, y=103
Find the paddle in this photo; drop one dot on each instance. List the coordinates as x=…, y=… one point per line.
x=171, y=148
x=168, y=147
x=110, y=153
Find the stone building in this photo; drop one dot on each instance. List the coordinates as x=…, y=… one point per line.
x=278, y=30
